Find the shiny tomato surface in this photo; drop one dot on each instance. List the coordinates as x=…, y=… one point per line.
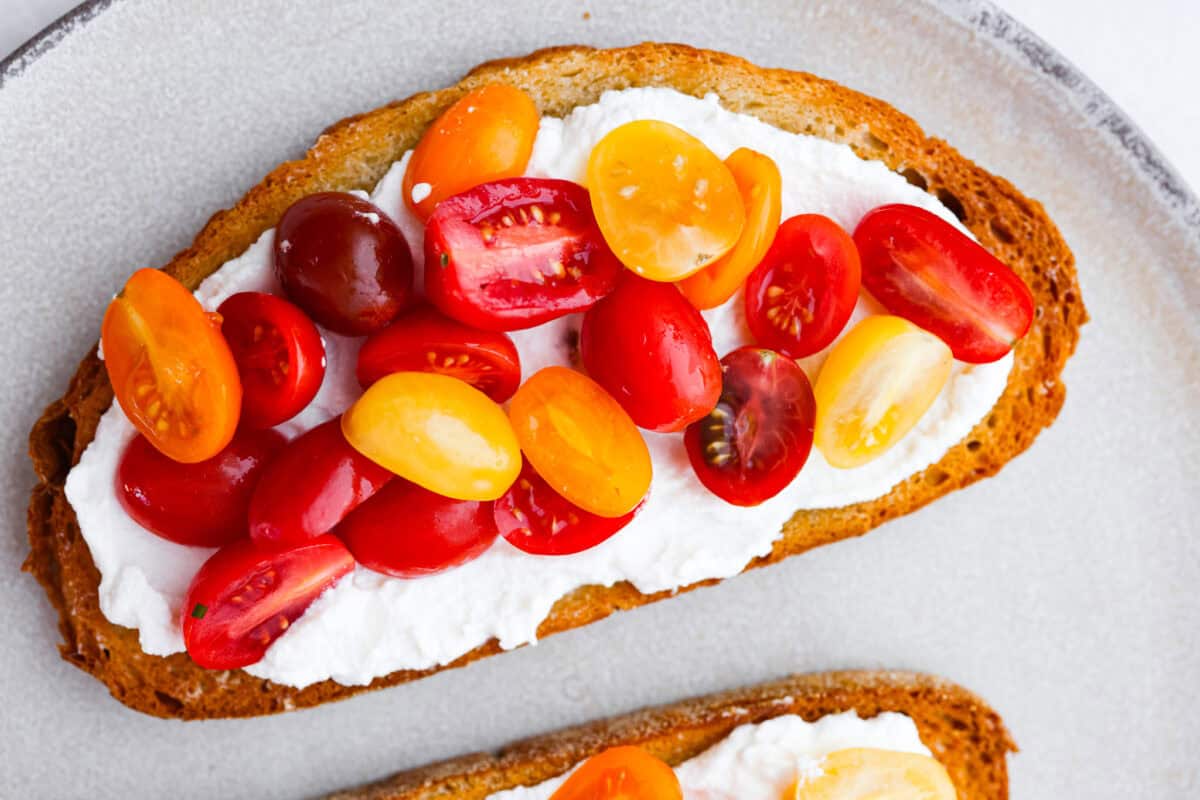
x=621, y=773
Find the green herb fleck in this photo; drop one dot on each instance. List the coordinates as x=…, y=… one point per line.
x=445, y=259
x=199, y=611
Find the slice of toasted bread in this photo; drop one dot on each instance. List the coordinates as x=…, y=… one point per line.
x=961, y=731
x=357, y=151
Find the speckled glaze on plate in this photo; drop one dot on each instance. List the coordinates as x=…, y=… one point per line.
x=1061, y=590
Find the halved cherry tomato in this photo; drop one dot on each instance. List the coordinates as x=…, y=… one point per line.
x=621, y=773
x=761, y=188
x=423, y=340
x=279, y=353
x=245, y=597
x=802, y=294
x=757, y=439
x=486, y=135
x=667, y=206
x=170, y=369
x=344, y=262
x=309, y=487
x=438, y=432
x=878, y=381
x=651, y=349
x=409, y=532
x=922, y=268
x=863, y=773
x=516, y=253
x=581, y=441
x=164, y=496
x=535, y=518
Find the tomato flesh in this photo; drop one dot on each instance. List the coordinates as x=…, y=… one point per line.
x=516, y=253
x=651, y=349
x=163, y=495
x=244, y=597
x=311, y=486
x=423, y=340
x=621, y=773
x=279, y=353
x=758, y=438
x=171, y=371
x=804, y=291
x=409, y=532
x=922, y=268
x=536, y=519
x=860, y=773
x=344, y=262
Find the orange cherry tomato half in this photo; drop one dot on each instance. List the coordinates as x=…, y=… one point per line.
x=170, y=369
x=581, y=441
x=487, y=135
x=761, y=187
x=665, y=203
x=621, y=773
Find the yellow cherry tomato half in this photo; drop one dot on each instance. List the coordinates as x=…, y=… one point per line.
x=580, y=440
x=761, y=187
x=878, y=380
x=864, y=773
x=665, y=203
x=486, y=135
x=438, y=432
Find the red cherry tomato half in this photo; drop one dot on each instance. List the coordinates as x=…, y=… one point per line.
x=279, y=354
x=408, y=531
x=801, y=295
x=344, y=262
x=650, y=348
x=316, y=481
x=245, y=597
x=423, y=340
x=922, y=268
x=621, y=773
x=754, y=443
x=535, y=518
x=516, y=253
x=163, y=495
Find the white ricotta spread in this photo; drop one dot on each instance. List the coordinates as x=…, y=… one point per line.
x=760, y=762
x=369, y=624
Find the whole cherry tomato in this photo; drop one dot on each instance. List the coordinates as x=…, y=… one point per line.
x=423, y=340
x=516, y=253
x=279, y=353
x=922, y=268
x=621, y=773
x=802, y=294
x=310, y=486
x=170, y=369
x=757, y=439
x=344, y=262
x=651, y=349
x=486, y=135
x=535, y=518
x=409, y=532
x=245, y=597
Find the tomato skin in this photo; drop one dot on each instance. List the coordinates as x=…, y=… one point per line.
x=651, y=349
x=621, y=773
x=538, y=520
x=244, y=597
x=802, y=294
x=279, y=353
x=171, y=371
x=424, y=340
x=515, y=253
x=409, y=532
x=922, y=268
x=487, y=134
x=344, y=262
x=758, y=438
x=311, y=486
x=162, y=495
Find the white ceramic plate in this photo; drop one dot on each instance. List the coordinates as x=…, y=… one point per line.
x=1062, y=590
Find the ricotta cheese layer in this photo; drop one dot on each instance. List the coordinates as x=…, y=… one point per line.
x=369, y=624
